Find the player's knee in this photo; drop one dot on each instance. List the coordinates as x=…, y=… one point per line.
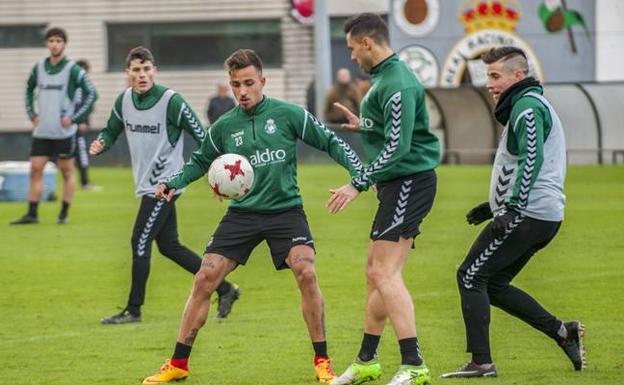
x=467, y=280
x=496, y=292
x=140, y=247
x=459, y=277
x=205, y=282
x=167, y=247
x=36, y=173
x=134, y=241
x=305, y=273
x=376, y=276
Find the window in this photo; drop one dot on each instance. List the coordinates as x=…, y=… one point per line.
x=22, y=36
x=195, y=45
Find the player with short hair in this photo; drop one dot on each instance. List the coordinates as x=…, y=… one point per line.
x=403, y=154
x=154, y=118
x=526, y=202
x=57, y=79
x=266, y=131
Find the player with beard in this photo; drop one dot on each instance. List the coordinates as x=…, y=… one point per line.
x=266, y=131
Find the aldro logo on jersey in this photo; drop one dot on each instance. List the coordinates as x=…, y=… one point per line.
x=267, y=156
x=366, y=124
x=143, y=128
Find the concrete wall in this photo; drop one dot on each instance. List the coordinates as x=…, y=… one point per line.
x=609, y=40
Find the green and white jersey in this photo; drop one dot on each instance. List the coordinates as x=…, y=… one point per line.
x=394, y=126
x=56, y=88
x=530, y=163
x=268, y=138
x=153, y=123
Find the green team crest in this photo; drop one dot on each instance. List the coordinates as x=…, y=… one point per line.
x=270, y=126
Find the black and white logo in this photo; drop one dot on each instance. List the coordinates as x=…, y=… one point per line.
x=422, y=62
x=270, y=127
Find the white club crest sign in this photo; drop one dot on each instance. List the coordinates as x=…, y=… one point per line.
x=488, y=23
x=270, y=127
x=422, y=62
x=465, y=56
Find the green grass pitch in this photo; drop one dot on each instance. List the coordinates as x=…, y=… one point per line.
x=58, y=281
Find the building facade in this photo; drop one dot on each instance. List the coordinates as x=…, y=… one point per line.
x=190, y=40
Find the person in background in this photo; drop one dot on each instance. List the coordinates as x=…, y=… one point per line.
x=219, y=104
x=82, y=152
x=343, y=92
x=363, y=84
x=56, y=79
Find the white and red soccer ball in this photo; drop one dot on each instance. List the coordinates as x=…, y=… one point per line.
x=231, y=176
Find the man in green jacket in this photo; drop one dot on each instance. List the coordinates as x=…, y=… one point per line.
x=526, y=203
x=402, y=155
x=266, y=131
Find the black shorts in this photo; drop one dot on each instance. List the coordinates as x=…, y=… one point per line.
x=403, y=204
x=240, y=232
x=61, y=148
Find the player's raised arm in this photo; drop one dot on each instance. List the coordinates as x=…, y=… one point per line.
x=353, y=122
x=314, y=133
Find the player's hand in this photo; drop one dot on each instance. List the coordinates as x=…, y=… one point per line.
x=83, y=127
x=353, y=121
x=502, y=221
x=97, y=146
x=66, y=121
x=35, y=122
x=341, y=197
x=164, y=192
x=479, y=213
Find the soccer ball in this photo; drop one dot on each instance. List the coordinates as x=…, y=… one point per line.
x=231, y=176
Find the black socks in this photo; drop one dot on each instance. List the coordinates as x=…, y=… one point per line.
x=410, y=351
x=32, y=209
x=320, y=349
x=369, y=347
x=64, y=209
